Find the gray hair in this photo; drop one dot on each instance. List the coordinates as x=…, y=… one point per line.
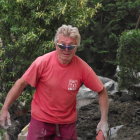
x=68, y=30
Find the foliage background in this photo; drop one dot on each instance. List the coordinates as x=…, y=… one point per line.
x=101, y=36
x=28, y=28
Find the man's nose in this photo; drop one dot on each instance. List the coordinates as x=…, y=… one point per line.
x=66, y=49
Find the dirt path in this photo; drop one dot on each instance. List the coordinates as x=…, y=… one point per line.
x=120, y=113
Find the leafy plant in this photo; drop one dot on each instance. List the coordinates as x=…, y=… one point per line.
x=27, y=31
x=100, y=38
x=128, y=59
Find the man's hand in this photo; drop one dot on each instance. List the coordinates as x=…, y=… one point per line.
x=5, y=120
x=103, y=126
x=12, y=95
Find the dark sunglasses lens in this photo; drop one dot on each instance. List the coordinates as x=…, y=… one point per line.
x=61, y=46
x=71, y=47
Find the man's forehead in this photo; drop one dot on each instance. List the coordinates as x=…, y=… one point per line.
x=66, y=39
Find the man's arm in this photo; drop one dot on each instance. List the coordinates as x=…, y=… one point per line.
x=12, y=95
x=104, y=105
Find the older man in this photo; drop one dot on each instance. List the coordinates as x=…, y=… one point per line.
x=57, y=77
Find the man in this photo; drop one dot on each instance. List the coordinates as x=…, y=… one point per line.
x=57, y=77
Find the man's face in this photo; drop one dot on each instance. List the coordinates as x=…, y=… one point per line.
x=65, y=55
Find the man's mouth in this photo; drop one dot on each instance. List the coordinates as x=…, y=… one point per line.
x=66, y=54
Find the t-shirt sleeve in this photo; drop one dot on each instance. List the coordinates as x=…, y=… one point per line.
x=32, y=74
x=91, y=80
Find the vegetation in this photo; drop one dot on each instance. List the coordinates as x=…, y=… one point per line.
x=27, y=30
x=100, y=38
x=129, y=62
x=1, y=130
x=28, y=27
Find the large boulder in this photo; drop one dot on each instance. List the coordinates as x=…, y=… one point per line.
x=85, y=95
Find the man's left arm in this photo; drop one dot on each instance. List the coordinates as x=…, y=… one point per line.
x=104, y=106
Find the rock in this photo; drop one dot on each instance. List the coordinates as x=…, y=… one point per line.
x=110, y=85
x=79, y=138
x=114, y=130
x=85, y=96
x=126, y=97
x=5, y=136
x=85, y=93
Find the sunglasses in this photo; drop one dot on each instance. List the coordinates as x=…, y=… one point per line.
x=63, y=47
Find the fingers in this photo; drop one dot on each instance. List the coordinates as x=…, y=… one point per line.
x=103, y=126
x=98, y=127
x=5, y=120
x=8, y=119
x=5, y=123
x=100, y=136
x=2, y=122
x=9, y=122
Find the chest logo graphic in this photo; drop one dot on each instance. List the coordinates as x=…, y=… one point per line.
x=72, y=85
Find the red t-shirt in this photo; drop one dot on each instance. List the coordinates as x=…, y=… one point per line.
x=57, y=85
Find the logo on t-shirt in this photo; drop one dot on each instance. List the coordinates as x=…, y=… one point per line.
x=72, y=85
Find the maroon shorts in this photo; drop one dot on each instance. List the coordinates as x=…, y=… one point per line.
x=46, y=131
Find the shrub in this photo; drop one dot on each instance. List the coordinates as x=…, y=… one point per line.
x=100, y=38
x=27, y=30
x=129, y=59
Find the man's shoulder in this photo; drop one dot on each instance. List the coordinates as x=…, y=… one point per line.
x=80, y=61
x=82, y=65
x=44, y=58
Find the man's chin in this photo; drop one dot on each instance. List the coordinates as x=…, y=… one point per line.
x=66, y=60
x=67, y=57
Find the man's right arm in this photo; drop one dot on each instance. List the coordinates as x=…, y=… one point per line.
x=12, y=95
